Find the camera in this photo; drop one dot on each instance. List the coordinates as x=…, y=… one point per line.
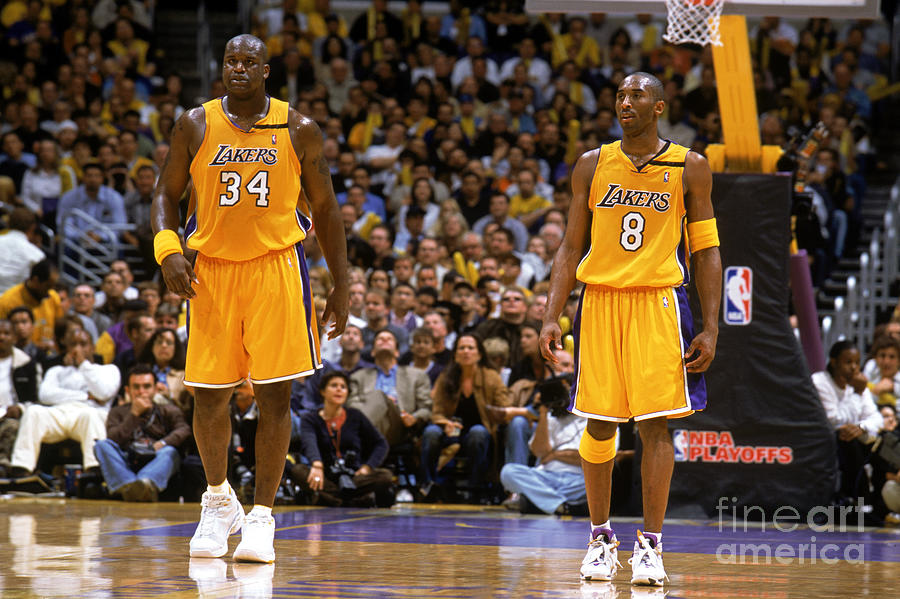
x=555, y=394
x=342, y=469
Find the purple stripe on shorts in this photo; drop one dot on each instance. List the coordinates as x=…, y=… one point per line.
x=695, y=382
x=576, y=333
x=681, y=254
x=307, y=303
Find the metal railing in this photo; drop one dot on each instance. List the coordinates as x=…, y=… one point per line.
x=879, y=267
x=83, y=259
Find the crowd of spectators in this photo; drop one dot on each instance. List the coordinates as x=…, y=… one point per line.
x=450, y=139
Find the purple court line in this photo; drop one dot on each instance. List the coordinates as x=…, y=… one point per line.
x=447, y=527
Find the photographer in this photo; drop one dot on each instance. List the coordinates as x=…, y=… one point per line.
x=140, y=454
x=556, y=483
x=344, y=450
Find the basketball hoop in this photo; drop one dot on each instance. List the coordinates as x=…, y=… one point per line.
x=693, y=21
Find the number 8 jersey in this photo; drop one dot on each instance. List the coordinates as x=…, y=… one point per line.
x=246, y=187
x=638, y=226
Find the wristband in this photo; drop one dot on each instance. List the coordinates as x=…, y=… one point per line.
x=702, y=234
x=166, y=243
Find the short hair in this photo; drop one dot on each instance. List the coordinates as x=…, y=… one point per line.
x=885, y=342
x=92, y=166
x=326, y=378
x=510, y=236
x=389, y=331
x=657, y=90
x=422, y=333
x=429, y=291
x=22, y=219
x=402, y=284
x=381, y=293
x=495, y=347
x=21, y=310
x=139, y=369
x=389, y=229
x=42, y=270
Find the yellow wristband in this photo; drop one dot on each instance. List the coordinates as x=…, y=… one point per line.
x=702, y=234
x=166, y=243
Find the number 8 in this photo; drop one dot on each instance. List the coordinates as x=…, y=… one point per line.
x=632, y=229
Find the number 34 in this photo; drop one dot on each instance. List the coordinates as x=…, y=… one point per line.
x=632, y=237
x=258, y=185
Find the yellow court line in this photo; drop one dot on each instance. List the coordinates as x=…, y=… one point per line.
x=328, y=522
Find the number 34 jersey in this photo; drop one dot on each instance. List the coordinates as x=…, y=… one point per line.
x=246, y=187
x=638, y=225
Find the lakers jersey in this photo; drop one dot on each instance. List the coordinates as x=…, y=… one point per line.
x=638, y=236
x=246, y=185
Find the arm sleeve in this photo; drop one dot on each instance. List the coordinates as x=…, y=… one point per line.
x=871, y=420
x=180, y=429
x=120, y=426
x=52, y=392
x=423, y=397
x=373, y=446
x=102, y=380
x=308, y=438
x=836, y=416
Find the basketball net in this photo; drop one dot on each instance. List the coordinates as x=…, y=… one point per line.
x=694, y=21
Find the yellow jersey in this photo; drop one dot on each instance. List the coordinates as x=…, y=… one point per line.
x=638, y=224
x=246, y=186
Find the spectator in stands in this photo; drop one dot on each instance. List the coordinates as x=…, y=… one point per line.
x=16, y=161
x=381, y=238
x=403, y=297
x=100, y=202
x=20, y=377
x=149, y=292
x=885, y=382
x=19, y=250
x=538, y=70
x=115, y=340
x=462, y=415
x=556, y=483
x=167, y=317
x=22, y=320
x=164, y=354
x=376, y=312
x=423, y=347
x=396, y=399
x=158, y=429
x=850, y=408
x=500, y=214
x=366, y=24
x=344, y=451
x=75, y=400
x=128, y=292
x=48, y=180
x=37, y=294
x=512, y=315
x=95, y=323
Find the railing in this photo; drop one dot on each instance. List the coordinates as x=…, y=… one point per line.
x=205, y=61
x=855, y=313
x=83, y=259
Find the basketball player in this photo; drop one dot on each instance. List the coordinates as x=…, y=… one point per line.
x=251, y=312
x=636, y=204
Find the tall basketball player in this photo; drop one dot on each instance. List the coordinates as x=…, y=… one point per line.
x=638, y=205
x=251, y=312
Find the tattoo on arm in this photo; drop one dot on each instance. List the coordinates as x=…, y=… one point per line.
x=322, y=165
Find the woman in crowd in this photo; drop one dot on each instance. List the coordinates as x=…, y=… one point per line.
x=470, y=401
x=164, y=353
x=344, y=451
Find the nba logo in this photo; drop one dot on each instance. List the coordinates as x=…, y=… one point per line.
x=666, y=177
x=274, y=139
x=680, y=441
x=738, y=295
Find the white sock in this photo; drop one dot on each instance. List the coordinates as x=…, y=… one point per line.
x=261, y=510
x=223, y=489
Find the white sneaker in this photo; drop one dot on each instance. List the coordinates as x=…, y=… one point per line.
x=601, y=561
x=257, y=540
x=222, y=515
x=598, y=590
x=646, y=563
x=404, y=496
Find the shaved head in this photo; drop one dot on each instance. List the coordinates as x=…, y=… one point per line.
x=248, y=43
x=650, y=83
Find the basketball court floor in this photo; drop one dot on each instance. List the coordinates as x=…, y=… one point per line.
x=109, y=549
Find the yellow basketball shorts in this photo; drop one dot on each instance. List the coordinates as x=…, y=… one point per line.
x=253, y=319
x=629, y=348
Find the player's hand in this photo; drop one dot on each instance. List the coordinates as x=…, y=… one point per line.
x=704, y=346
x=179, y=275
x=551, y=339
x=337, y=308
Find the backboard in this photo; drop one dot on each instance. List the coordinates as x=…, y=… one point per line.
x=834, y=9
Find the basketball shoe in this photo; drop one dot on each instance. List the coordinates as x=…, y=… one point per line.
x=255, y=579
x=602, y=559
x=257, y=540
x=646, y=563
x=221, y=515
x=210, y=576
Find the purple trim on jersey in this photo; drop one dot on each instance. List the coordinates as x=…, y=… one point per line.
x=681, y=253
x=307, y=304
x=695, y=383
x=190, y=227
x=303, y=221
x=576, y=333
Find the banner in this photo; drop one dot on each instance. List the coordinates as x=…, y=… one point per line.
x=763, y=440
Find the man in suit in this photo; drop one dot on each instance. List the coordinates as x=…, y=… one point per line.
x=396, y=399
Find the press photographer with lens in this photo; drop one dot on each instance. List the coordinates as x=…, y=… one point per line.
x=344, y=451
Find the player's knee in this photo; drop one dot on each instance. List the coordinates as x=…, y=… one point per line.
x=597, y=451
